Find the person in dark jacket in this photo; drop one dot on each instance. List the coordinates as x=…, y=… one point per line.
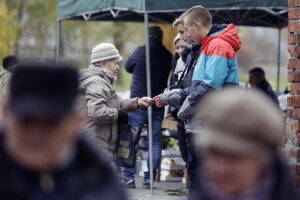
x=238, y=147
x=257, y=79
x=43, y=151
x=189, y=57
x=160, y=60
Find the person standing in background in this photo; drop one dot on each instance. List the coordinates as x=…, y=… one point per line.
x=257, y=80
x=160, y=65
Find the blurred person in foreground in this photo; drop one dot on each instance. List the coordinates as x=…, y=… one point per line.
x=257, y=80
x=238, y=148
x=8, y=64
x=104, y=107
x=43, y=154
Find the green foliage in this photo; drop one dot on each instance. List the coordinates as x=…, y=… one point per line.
x=34, y=22
x=8, y=31
x=170, y=143
x=176, y=192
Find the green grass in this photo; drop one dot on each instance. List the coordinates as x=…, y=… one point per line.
x=176, y=192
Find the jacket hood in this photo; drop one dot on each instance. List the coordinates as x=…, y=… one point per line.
x=94, y=71
x=230, y=35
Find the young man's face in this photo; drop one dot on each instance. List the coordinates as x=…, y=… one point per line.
x=232, y=174
x=184, y=34
x=195, y=30
x=38, y=143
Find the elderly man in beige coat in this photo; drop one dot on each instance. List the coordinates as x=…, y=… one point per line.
x=104, y=107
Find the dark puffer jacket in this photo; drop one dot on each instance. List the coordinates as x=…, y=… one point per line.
x=160, y=62
x=88, y=176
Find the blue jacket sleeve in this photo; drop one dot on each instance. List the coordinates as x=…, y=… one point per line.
x=196, y=91
x=216, y=71
x=210, y=73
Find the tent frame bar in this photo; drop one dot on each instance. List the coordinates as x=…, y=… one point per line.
x=278, y=61
x=148, y=74
x=114, y=13
x=58, y=40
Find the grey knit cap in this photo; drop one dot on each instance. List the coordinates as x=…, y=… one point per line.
x=105, y=51
x=238, y=121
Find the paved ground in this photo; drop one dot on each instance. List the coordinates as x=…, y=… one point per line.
x=159, y=191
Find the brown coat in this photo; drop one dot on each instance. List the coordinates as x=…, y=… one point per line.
x=102, y=105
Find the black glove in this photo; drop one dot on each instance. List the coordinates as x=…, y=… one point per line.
x=122, y=117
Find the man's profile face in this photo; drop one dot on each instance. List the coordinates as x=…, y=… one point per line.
x=231, y=174
x=38, y=143
x=184, y=34
x=194, y=29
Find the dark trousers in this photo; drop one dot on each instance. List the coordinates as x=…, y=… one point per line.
x=139, y=119
x=192, y=162
x=182, y=141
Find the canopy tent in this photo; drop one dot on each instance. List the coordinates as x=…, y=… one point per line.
x=265, y=13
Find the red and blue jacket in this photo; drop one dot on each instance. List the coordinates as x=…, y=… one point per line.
x=217, y=64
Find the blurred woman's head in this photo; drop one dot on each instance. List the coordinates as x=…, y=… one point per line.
x=179, y=44
x=107, y=56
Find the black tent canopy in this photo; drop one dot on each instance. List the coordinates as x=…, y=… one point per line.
x=266, y=13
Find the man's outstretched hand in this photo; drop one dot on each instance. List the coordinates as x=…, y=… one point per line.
x=158, y=102
x=145, y=102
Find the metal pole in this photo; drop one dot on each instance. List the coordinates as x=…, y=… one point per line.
x=278, y=60
x=148, y=71
x=58, y=35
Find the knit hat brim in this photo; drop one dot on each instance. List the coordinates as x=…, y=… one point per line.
x=119, y=57
x=209, y=138
x=105, y=51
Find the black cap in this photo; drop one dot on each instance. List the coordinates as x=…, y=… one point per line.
x=155, y=32
x=46, y=90
x=10, y=61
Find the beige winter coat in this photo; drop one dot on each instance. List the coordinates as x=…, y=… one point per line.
x=102, y=104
